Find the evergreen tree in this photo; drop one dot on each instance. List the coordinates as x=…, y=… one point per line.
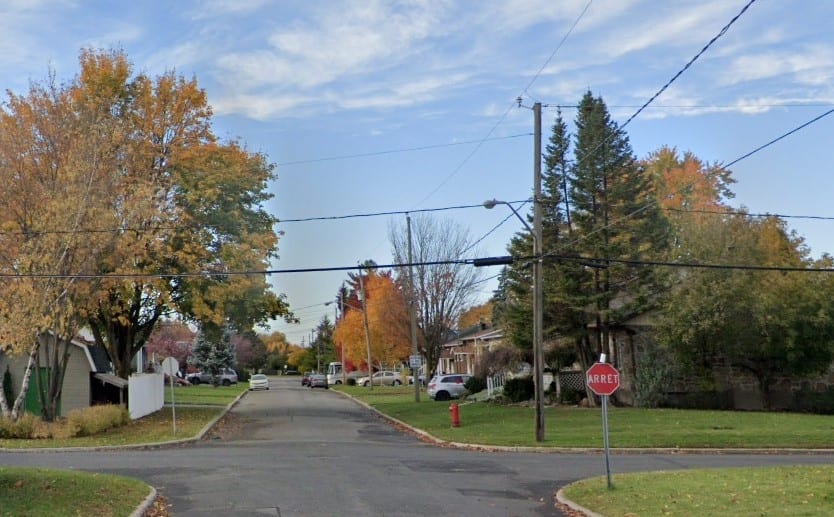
x=213, y=352
x=614, y=216
x=596, y=207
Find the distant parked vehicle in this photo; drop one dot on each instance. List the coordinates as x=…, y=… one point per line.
x=318, y=380
x=381, y=378
x=445, y=387
x=258, y=381
x=305, y=379
x=421, y=377
x=227, y=377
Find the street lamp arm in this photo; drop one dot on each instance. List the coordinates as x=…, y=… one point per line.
x=490, y=204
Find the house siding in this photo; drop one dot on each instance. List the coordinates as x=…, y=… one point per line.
x=75, y=392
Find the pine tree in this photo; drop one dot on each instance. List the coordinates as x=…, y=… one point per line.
x=213, y=352
x=614, y=217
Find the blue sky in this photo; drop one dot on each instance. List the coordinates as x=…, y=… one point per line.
x=306, y=81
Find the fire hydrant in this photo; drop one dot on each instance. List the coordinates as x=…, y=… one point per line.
x=453, y=410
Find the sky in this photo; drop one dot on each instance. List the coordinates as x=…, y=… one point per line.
x=376, y=107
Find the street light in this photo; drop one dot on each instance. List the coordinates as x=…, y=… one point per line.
x=538, y=302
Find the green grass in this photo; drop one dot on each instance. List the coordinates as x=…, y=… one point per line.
x=157, y=427
x=513, y=425
x=205, y=394
x=795, y=490
x=36, y=492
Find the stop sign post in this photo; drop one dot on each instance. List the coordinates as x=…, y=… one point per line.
x=603, y=379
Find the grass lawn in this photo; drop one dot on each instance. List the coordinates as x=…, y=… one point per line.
x=489, y=424
x=35, y=492
x=797, y=490
x=205, y=394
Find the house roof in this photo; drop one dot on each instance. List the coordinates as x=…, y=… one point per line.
x=474, y=336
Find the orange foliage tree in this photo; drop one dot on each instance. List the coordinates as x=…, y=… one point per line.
x=388, y=325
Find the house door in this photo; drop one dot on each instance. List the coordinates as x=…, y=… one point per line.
x=32, y=404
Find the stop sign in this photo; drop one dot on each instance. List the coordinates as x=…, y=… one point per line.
x=602, y=378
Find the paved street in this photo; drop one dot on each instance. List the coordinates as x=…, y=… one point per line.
x=303, y=452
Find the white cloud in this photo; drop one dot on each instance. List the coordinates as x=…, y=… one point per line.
x=810, y=66
x=219, y=8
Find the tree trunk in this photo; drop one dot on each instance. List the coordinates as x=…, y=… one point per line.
x=24, y=385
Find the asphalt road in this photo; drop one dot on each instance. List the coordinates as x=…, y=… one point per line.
x=293, y=451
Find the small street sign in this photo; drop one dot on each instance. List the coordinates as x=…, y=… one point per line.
x=602, y=378
x=415, y=361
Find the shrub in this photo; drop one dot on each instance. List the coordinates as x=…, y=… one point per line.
x=351, y=381
x=23, y=427
x=95, y=419
x=807, y=400
x=519, y=389
x=571, y=396
x=651, y=382
x=475, y=384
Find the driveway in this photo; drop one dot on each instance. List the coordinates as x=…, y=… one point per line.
x=293, y=451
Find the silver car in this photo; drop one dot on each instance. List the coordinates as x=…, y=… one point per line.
x=381, y=378
x=445, y=387
x=318, y=380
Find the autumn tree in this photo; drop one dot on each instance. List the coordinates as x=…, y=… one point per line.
x=171, y=339
x=185, y=209
x=476, y=315
x=59, y=152
x=388, y=324
x=443, y=287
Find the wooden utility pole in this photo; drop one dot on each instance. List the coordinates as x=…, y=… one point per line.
x=538, y=295
x=415, y=372
x=367, y=332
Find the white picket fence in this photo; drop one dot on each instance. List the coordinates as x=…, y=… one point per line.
x=495, y=384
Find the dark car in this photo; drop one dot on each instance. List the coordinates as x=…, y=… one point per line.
x=305, y=379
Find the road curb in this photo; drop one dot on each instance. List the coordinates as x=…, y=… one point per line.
x=561, y=499
x=143, y=507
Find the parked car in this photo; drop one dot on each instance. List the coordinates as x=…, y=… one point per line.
x=258, y=381
x=227, y=377
x=318, y=380
x=421, y=377
x=445, y=387
x=381, y=378
x=305, y=379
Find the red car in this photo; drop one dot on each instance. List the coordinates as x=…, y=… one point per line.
x=305, y=379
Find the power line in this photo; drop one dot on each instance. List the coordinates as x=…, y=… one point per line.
x=792, y=131
x=702, y=106
x=601, y=262
x=746, y=214
x=377, y=214
x=499, y=225
x=669, y=82
x=688, y=64
x=466, y=159
x=395, y=151
x=559, y=46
